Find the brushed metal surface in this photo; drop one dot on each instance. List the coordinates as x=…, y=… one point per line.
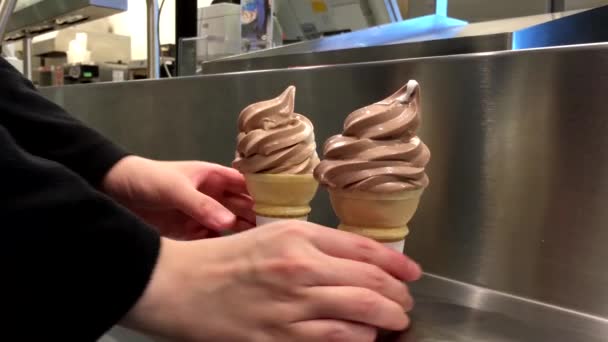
x=447, y=310
x=390, y=42
x=517, y=201
x=27, y=57
x=493, y=42
x=153, y=39
x=6, y=10
x=414, y=30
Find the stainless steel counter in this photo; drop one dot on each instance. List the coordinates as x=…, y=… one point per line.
x=451, y=311
x=517, y=201
x=453, y=46
x=448, y=310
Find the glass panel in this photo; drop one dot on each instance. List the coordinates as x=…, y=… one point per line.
x=195, y=51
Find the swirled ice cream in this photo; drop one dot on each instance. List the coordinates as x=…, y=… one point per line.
x=273, y=139
x=378, y=150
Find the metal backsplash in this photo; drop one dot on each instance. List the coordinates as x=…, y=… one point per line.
x=518, y=194
x=426, y=37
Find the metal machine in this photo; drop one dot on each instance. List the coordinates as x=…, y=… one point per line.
x=219, y=25
x=6, y=8
x=302, y=20
x=34, y=17
x=219, y=30
x=38, y=16
x=430, y=35
x=50, y=51
x=28, y=18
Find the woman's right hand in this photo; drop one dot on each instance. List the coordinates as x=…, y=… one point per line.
x=286, y=281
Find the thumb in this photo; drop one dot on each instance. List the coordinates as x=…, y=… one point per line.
x=204, y=209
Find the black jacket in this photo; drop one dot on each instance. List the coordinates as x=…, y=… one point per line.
x=73, y=262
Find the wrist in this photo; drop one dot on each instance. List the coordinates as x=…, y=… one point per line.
x=148, y=315
x=116, y=179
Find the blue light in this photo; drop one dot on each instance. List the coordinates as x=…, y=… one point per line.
x=390, y=33
x=441, y=7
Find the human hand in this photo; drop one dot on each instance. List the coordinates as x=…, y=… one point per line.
x=184, y=200
x=285, y=281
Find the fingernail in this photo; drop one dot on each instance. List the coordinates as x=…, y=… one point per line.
x=227, y=219
x=416, y=270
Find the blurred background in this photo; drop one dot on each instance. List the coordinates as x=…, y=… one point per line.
x=115, y=33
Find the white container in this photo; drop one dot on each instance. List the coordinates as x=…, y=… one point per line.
x=220, y=24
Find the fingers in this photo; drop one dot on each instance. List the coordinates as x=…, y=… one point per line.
x=342, y=272
x=195, y=231
x=204, y=209
x=350, y=246
x=241, y=205
x=331, y=330
x=200, y=234
x=354, y=304
x=233, y=181
x=242, y=225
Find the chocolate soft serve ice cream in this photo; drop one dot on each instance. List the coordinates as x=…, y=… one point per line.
x=274, y=139
x=378, y=150
x=276, y=151
x=375, y=170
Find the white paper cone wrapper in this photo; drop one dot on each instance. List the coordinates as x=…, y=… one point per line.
x=261, y=220
x=399, y=246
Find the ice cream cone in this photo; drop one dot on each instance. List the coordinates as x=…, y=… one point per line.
x=281, y=196
x=379, y=216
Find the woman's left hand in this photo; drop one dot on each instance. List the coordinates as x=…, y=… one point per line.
x=184, y=200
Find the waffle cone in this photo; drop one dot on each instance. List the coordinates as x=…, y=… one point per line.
x=281, y=195
x=382, y=217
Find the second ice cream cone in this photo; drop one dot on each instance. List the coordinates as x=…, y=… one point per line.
x=281, y=196
x=382, y=217
x=375, y=169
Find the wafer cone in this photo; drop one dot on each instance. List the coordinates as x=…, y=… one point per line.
x=382, y=217
x=281, y=196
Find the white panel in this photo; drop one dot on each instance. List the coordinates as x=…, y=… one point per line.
x=288, y=21
x=340, y=15
x=222, y=22
x=379, y=11
x=303, y=10
x=349, y=17
x=203, y=3
x=483, y=10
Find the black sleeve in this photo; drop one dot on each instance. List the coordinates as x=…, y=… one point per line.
x=73, y=262
x=44, y=129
